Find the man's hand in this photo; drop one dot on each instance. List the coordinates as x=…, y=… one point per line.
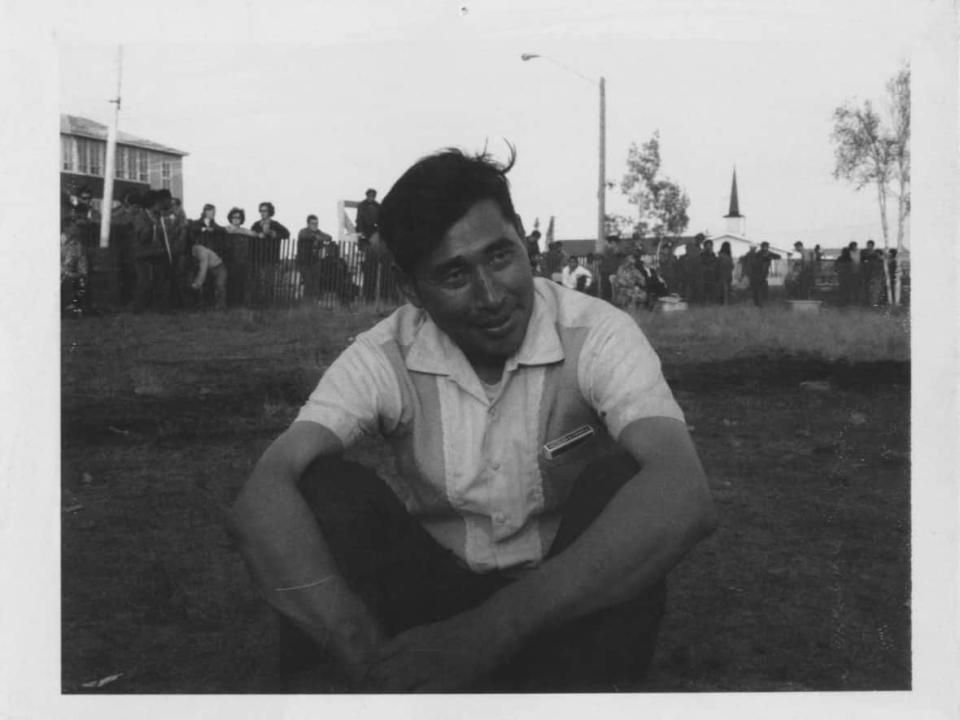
x=446, y=656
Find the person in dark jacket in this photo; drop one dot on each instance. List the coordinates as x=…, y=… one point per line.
x=845, y=277
x=265, y=252
x=153, y=254
x=709, y=274
x=368, y=214
x=759, y=272
x=310, y=242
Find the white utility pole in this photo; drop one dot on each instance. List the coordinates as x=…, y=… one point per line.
x=106, y=207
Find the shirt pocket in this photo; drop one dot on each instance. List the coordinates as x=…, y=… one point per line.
x=561, y=471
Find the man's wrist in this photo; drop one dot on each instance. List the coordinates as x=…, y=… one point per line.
x=515, y=613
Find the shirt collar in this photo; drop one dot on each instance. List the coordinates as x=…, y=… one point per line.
x=434, y=352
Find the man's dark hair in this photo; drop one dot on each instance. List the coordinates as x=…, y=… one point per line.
x=434, y=194
x=269, y=206
x=164, y=194
x=312, y=217
x=371, y=191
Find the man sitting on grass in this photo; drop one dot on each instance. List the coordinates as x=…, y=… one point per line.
x=546, y=478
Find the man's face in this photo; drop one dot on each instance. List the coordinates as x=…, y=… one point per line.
x=572, y=264
x=477, y=285
x=312, y=224
x=764, y=247
x=264, y=212
x=86, y=199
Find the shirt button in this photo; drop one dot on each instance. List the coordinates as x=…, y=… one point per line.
x=495, y=465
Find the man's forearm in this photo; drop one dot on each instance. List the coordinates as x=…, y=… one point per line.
x=637, y=538
x=284, y=548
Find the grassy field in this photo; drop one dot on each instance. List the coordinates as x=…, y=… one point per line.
x=806, y=584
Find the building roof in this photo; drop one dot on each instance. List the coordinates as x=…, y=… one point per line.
x=84, y=127
x=734, y=200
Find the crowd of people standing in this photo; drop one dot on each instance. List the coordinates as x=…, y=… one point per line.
x=166, y=261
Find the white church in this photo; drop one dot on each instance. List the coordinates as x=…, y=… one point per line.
x=736, y=234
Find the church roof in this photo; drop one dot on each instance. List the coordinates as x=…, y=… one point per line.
x=734, y=200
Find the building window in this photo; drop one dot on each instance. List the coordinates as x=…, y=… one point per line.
x=83, y=156
x=98, y=152
x=166, y=174
x=144, y=166
x=119, y=163
x=66, y=153
x=90, y=156
x=131, y=163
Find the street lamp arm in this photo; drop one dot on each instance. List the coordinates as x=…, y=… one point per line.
x=533, y=56
x=602, y=178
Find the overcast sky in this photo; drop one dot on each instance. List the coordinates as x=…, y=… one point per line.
x=307, y=105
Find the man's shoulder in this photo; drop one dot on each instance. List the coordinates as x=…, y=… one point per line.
x=573, y=309
x=398, y=330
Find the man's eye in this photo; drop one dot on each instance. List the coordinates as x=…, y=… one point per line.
x=452, y=277
x=502, y=256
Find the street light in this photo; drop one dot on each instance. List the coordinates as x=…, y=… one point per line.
x=602, y=179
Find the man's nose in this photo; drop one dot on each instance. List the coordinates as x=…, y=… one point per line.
x=487, y=290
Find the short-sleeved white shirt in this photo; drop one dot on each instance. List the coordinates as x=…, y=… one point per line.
x=473, y=468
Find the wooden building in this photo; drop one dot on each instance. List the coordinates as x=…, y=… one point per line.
x=140, y=164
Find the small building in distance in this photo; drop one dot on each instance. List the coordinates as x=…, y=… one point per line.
x=140, y=164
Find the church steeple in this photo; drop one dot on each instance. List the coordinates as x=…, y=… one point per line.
x=734, y=200
x=736, y=223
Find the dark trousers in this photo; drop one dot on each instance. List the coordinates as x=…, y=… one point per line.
x=760, y=291
x=153, y=280
x=407, y=579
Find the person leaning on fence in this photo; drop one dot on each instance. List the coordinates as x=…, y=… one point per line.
x=238, y=240
x=206, y=231
x=209, y=264
x=265, y=251
x=310, y=241
x=547, y=477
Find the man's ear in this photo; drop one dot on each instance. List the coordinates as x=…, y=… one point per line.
x=408, y=286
